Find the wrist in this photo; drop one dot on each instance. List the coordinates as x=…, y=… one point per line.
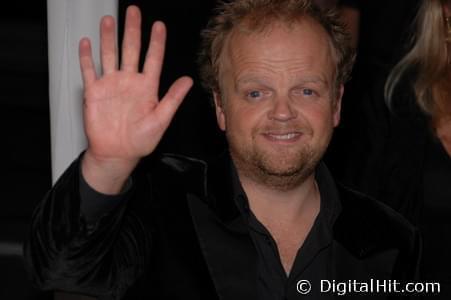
x=106, y=175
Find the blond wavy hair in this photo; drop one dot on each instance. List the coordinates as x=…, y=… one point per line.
x=258, y=15
x=429, y=59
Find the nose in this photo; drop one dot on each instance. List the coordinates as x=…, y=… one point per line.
x=282, y=110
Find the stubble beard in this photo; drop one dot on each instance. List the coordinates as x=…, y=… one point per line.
x=282, y=170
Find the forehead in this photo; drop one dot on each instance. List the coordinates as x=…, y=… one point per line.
x=302, y=44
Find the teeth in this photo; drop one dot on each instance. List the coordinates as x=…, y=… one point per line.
x=283, y=136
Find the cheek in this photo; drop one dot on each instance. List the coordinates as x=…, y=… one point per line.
x=321, y=118
x=243, y=118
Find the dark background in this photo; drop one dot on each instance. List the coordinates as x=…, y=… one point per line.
x=24, y=132
x=24, y=90
x=25, y=117
x=25, y=129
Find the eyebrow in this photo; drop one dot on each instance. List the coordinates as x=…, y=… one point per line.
x=316, y=80
x=253, y=79
x=263, y=80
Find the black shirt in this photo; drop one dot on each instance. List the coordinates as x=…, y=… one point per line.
x=313, y=259
x=435, y=222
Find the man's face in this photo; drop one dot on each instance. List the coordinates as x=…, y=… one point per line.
x=277, y=105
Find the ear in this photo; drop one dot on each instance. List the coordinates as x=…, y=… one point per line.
x=337, y=105
x=220, y=116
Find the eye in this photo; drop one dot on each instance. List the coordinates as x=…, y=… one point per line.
x=307, y=92
x=254, y=94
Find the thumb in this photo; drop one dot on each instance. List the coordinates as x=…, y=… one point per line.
x=167, y=107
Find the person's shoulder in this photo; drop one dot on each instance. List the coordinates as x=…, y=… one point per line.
x=372, y=225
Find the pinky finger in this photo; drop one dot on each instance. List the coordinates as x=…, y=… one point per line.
x=87, y=67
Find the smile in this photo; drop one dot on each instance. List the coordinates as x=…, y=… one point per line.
x=283, y=137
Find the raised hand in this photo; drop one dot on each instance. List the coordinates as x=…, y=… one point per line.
x=123, y=117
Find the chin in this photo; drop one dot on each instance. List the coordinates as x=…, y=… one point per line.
x=283, y=177
x=281, y=170
x=286, y=163
x=281, y=166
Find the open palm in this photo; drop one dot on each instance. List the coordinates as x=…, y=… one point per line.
x=123, y=117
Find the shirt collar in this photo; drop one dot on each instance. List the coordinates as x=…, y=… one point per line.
x=330, y=201
x=330, y=206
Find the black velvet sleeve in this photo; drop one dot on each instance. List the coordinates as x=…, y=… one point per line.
x=62, y=253
x=94, y=205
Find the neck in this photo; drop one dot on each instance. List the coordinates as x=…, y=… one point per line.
x=282, y=206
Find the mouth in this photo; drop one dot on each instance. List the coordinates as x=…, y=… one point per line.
x=283, y=137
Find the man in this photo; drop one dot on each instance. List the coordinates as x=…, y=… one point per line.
x=255, y=224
